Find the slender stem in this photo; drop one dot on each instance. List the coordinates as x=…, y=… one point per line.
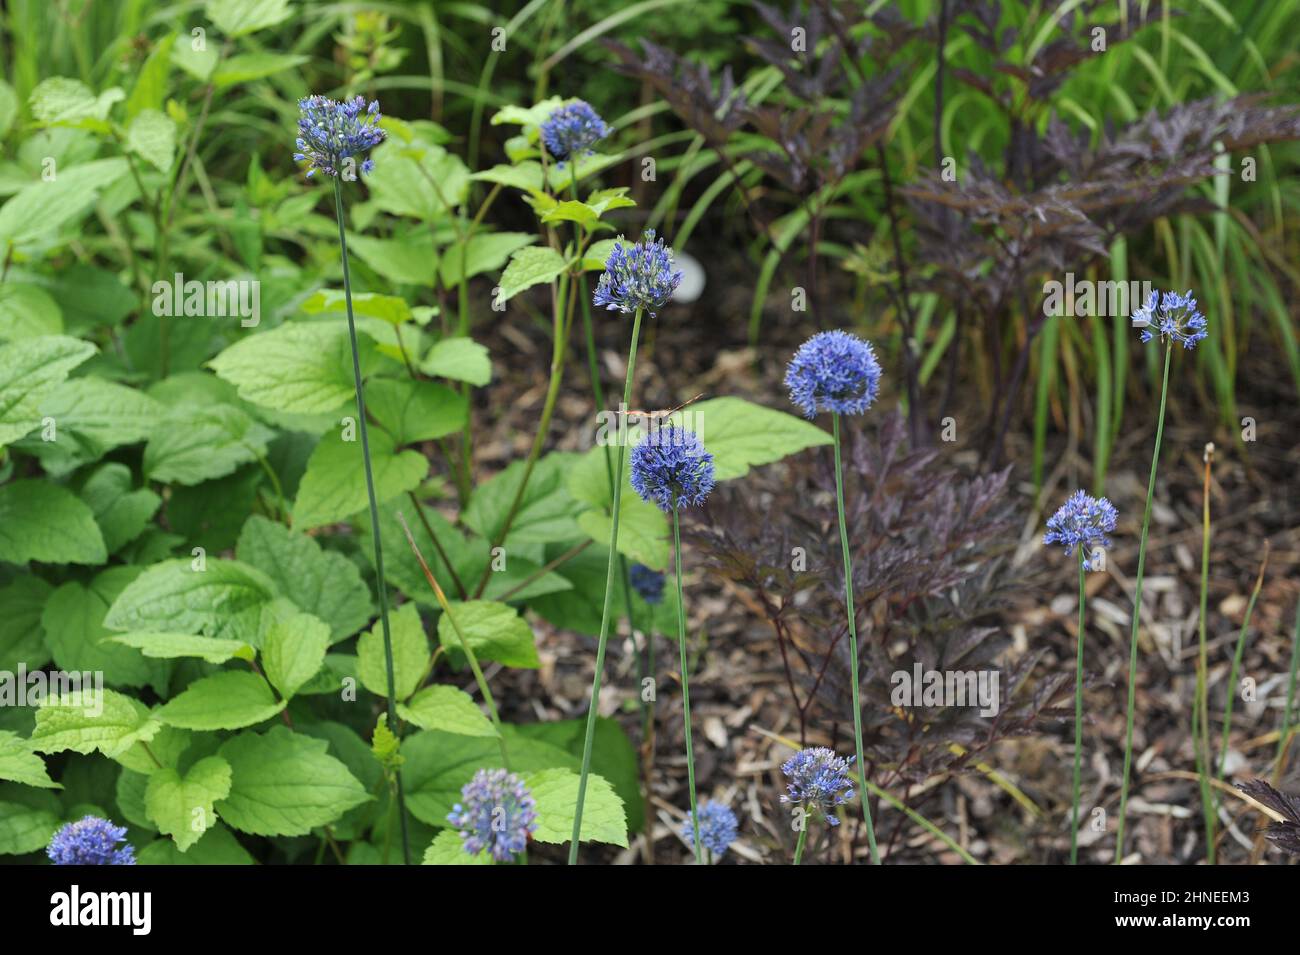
x=853, y=645
x=803, y=838
x=686, y=687
x=374, y=508
x=605, y=611
x=1078, y=720
x=1236, y=664
x=1137, y=614
x=1200, y=706
x=470, y=655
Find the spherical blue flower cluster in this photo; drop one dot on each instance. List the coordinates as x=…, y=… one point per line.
x=648, y=583
x=1080, y=522
x=717, y=828
x=639, y=276
x=1171, y=316
x=571, y=130
x=833, y=371
x=497, y=812
x=818, y=780
x=90, y=841
x=330, y=132
x=671, y=468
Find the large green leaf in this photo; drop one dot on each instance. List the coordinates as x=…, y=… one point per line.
x=486, y=252
x=24, y=828
x=73, y=621
x=44, y=207
x=334, y=487
x=285, y=784
x=410, y=653
x=21, y=638
x=556, y=794
x=173, y=597
x=121, y=512
x=236, y=18
x=321, y=582
x=303, y=367
x=19, y=764
x=182, y=806
x=46, y=522
x=494, y=631
x=447, y=848
x=193, y=444
x=29, y=370
x=532, y=265
x=460, y=359
x=546, y=512
x=228, y=700
x=89, y=720
x=446, y=708
x=413, y=410
x=218, y=846
x=293, y=651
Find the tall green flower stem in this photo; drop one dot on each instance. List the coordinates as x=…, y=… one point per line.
x=686, y=687
x=1078, y=719
x=803, y=840
x=1137, y=613
x=465, y=647
x=1200, y=705
x=648, y=655
x=1236, y=663
x=593, y=710
x=381, y=586
x=853, y=644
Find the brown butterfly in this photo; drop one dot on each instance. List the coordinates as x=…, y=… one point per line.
x=655, y=415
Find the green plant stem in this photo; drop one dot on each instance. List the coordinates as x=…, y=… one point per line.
x=1284, y=737
x=470, y=655
x=853, y=645
x=1137, y=614
x=1078, y=720
x=803, y=839
x=374, y=507
x=1236, y=664
x=1200, y=706
x=605, y=611
x=686, y=687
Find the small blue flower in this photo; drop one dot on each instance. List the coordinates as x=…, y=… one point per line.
x=1171, y=316
x=330, y=132
x=638, y=276
x=90, y=841
x=497, y=813
x=1080, y=522
x=671, y=468
x=717, y=828
x=648, y=583
x=833, y=371
x=818, y=780
x=571, y=130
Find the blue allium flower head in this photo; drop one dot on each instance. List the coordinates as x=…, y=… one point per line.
x=818, y=780
x=571, y=130
x=330, y=132
x=671, y=468
x=833, y=371
x=90, y=841
x=497, y=812
x=648, y=583
x=717, y=828
x=638, y=276
x=1080, y=522
x=1171, y=316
